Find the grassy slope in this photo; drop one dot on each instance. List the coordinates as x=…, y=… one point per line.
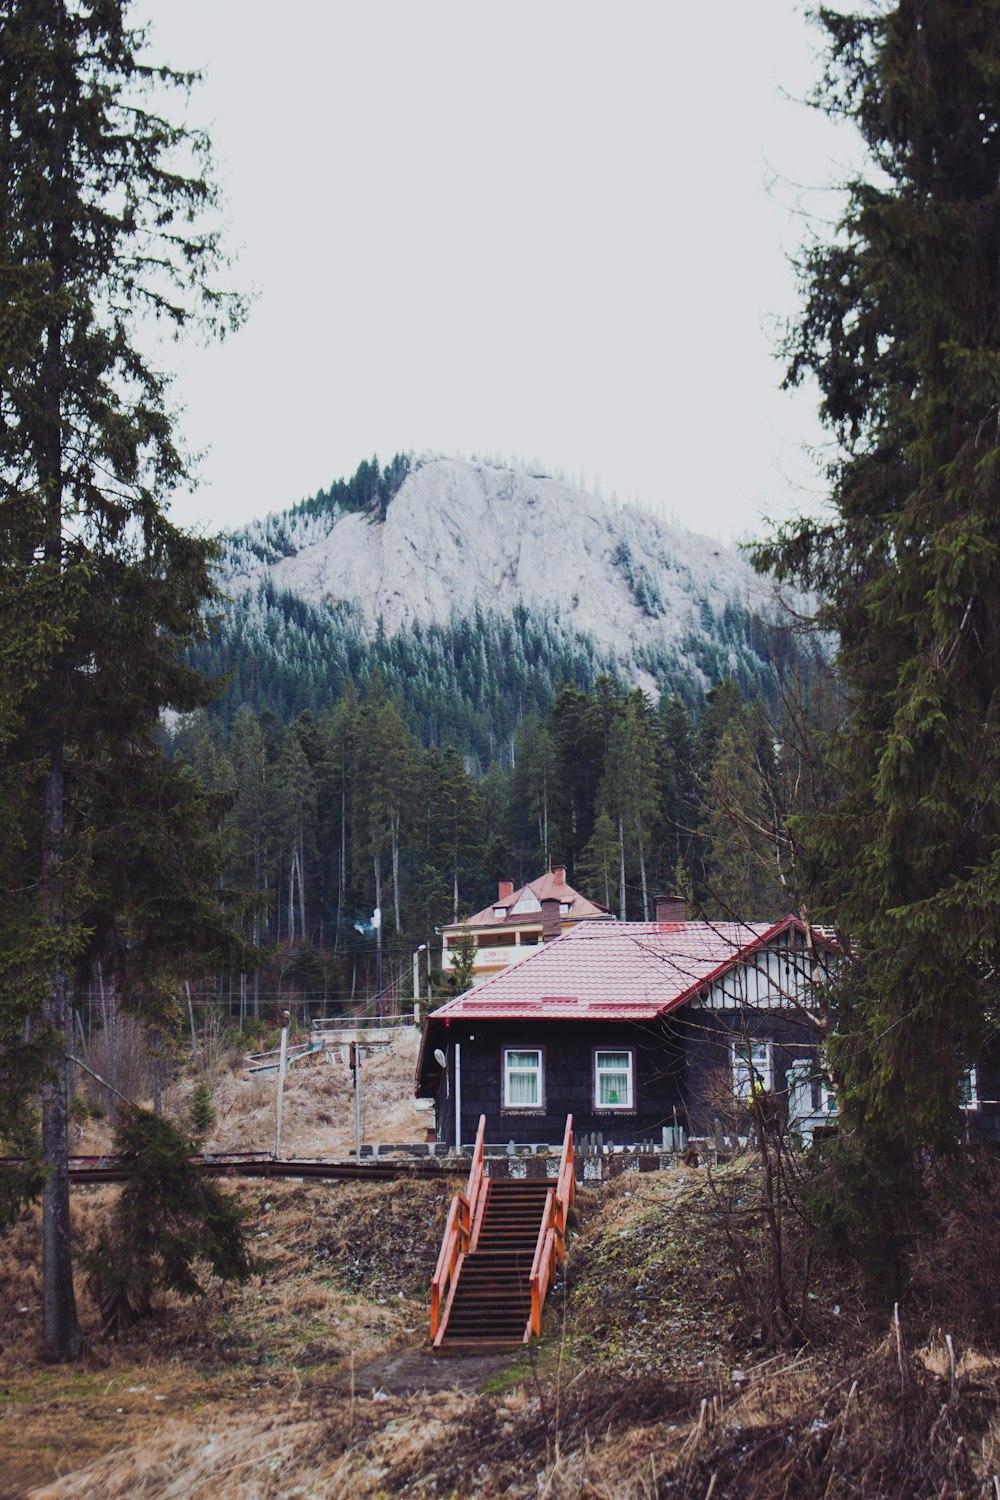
x=645, y=1385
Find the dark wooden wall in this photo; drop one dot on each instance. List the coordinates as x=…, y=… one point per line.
x=569, y=1087
x=707, y=1036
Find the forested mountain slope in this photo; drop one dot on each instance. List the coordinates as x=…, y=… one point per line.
x=475, y=590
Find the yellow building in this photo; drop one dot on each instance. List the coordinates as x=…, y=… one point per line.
x=518, y=921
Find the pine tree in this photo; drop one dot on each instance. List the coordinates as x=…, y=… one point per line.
x=899, y=330
x=27, y=945
x=338, y=777
x=534, y=786
x=678, y=790
x=598, y=865
x=295, y=825
x=745, y=835
x=459, y=821
x=628, y=794
x=385, y=779
x=97, y=227
x=250, y=826
x=463, y=961
x=169, y=1217
x=578, y=753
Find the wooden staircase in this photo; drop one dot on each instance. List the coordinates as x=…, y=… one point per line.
x=501, y=1247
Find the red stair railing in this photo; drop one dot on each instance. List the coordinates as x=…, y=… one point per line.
x=551, y=1246
x=457, y=1234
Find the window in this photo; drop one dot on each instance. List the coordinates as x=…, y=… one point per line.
x=968, y=1089
x=522, y=1077
x=613, y=1079
x=751, y=1064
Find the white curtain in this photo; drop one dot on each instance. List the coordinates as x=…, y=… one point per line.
x=614, y=1077
x=524, y=1071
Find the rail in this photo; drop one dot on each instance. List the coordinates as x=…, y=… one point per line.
x=457, y=1235
x=269, y=1062
x=87, y=1170
x=359, y=1023
x=550, y=1247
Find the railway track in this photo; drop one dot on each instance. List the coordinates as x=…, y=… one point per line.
x=84, y=1170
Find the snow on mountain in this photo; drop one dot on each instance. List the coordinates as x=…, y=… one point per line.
x=461, y=536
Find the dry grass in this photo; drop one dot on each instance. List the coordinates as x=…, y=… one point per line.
x=886, y=1429
x=261, y=1392
x=343, y=1277
x=318, y=1108
x=317, y=1112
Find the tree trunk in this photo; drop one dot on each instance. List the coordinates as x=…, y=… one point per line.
x=545, y=824
x=256, y=917
x=300, y=855
x=157, y=1073
x=395, y=871
x=342, y=872
x=61, y=1328
x=621, y=866
x=642, y=877
x=293, y=866
x=256, y=972
x=111, y=1046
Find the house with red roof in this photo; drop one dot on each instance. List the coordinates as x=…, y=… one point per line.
x=519, y=920
x=630, y=1027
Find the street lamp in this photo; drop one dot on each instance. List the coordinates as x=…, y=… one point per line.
x=416, y=970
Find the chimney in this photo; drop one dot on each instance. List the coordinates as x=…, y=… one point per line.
x=670, y=909
x=505, y=889
x=550, y=919
x=559, y=875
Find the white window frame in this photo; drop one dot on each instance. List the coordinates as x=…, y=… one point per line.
x=750, y=1060
x=537, y=1069
x=968, y=1089
x=627, y=1103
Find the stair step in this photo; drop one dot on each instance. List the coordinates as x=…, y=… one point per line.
x=497, y=1297
x=490, y=1306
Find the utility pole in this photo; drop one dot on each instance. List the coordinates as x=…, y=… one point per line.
x=356, y=1069
x=194, y=1039
x=377, y=924
x=458, y=1097
x=281, y=1086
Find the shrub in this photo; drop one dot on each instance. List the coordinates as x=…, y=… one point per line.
x=169, y=1217
x=202, y=1110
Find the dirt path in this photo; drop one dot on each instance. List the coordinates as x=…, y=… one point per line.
x=408, y=1372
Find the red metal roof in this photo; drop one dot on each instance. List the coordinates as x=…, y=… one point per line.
x=607, y=968
x=610, y=971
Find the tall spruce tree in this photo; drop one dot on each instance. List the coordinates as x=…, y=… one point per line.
x=743, y=825
x=900, y=331
x=384, y=784
x=99, y=226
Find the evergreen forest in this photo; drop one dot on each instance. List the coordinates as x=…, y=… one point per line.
x=344, y=810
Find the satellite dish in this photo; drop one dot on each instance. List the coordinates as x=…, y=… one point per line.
x=440, y=1058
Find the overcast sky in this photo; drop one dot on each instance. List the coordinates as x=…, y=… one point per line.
x=537, y=229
